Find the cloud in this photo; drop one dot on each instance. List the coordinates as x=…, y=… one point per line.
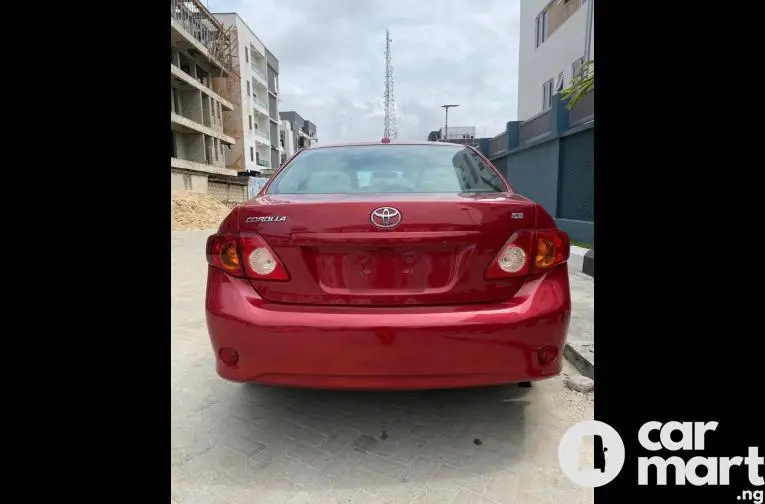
x=332, y=62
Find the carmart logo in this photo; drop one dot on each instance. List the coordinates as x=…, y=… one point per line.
x=609, y=454
x=656, y=437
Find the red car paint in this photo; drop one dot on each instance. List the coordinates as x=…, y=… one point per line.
x=424, y=304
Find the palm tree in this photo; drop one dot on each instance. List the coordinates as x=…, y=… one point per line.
x=581, y=84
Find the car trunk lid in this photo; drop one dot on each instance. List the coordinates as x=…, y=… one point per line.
x=436, y=255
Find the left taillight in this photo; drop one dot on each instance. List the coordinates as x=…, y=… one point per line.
x=223, y=253
x=245, y=255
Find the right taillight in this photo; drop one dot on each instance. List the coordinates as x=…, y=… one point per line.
x=514, y=259
x=552, y=249
x=245, y=255
x=530, y=251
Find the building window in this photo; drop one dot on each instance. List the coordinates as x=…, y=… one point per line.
x=250, y=122
x=547, y=89
x=576, y=68
x=246, y=55
x=252, y=154
x=215, y=147
x=559, y=83
x=540, y=29
x=248, y=87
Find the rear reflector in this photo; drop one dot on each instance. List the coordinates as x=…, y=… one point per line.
x=547, y=355
x=228, y=356
x=245, y=255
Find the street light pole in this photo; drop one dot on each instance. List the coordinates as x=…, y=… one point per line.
x=446, y=120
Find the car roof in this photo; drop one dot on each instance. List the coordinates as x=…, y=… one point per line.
x=392, y=142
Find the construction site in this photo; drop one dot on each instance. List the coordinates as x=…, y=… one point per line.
x=201, y=73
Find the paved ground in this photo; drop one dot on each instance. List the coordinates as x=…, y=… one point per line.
x=235, y=443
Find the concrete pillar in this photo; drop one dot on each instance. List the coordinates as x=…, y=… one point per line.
x=206, y=114
x=175, y=57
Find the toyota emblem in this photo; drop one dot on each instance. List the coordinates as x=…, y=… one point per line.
x=385, y=217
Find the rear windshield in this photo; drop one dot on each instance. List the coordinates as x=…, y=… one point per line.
x=387, y=169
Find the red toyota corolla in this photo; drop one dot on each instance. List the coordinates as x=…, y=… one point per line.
x=388, y=266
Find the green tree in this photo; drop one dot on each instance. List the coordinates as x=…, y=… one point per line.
x=581, y=84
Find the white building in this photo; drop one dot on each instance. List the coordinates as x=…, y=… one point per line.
x=553, y=45
x=287, y=139
x=254, y=122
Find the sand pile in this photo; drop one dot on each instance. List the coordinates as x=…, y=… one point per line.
x=196, y=211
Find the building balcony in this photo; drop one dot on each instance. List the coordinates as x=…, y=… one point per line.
x=186, y=125
x=259, y=73
x=261, y=137
x=186, y=81
x=184, y=164
x=259, y=105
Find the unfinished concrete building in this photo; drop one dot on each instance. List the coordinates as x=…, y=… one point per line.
x=201, y=50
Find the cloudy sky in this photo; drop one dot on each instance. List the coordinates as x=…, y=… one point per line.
x=332, y=61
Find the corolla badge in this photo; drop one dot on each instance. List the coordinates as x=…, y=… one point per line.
x=267, y=218
x=385, y=217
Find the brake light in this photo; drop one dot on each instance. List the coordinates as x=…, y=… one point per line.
x=529, y=251
x=245, y=255
x=223, y=252
x=552, y=249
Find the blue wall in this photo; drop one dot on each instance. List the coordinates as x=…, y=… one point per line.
x=550, y=159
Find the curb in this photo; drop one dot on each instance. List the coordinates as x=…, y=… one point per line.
x=582, y=357
x=582, y=260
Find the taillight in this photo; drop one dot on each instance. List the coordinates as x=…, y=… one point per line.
x=260, y=262
x=552, y=249
x=246, y=255
x=514, y=259
x=529, y=251
x=223, y=253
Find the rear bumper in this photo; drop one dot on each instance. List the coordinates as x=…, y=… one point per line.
x=388, y=348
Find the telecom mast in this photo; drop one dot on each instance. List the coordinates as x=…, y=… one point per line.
x=390, y=130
